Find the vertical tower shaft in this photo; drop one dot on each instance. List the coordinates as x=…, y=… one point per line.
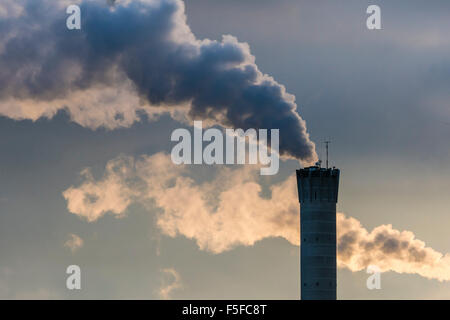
x=318, y=195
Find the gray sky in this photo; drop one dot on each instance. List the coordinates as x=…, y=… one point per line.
x=381, y=96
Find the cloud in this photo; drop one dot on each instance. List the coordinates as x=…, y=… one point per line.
x=229, y=210
x=171, y=282
x=93, y=199
x=130, y=58
x=10, y=9
x=218, y=214
x=74, y=242
x=389, y=249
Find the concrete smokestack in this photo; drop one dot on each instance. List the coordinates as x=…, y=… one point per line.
x=318, y=194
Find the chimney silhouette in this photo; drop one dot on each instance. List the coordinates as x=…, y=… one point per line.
x=318, y=194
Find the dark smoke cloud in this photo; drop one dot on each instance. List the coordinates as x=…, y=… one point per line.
x=149, y=43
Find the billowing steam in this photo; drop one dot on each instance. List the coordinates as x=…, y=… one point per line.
x=216, y=213
x=140, y=56
x=133, y=56
x=389, y=249
x=229, y=210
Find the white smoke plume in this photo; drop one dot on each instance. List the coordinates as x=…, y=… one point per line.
x=389, y=249
x=132, y=58
x=216, y=214
x=229, y=211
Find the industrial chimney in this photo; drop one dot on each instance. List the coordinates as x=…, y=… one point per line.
x=318, y=194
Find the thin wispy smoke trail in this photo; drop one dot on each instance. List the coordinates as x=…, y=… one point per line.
x=171, y=282
x=74, y=242
x=229, y=211
x=145, y=49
